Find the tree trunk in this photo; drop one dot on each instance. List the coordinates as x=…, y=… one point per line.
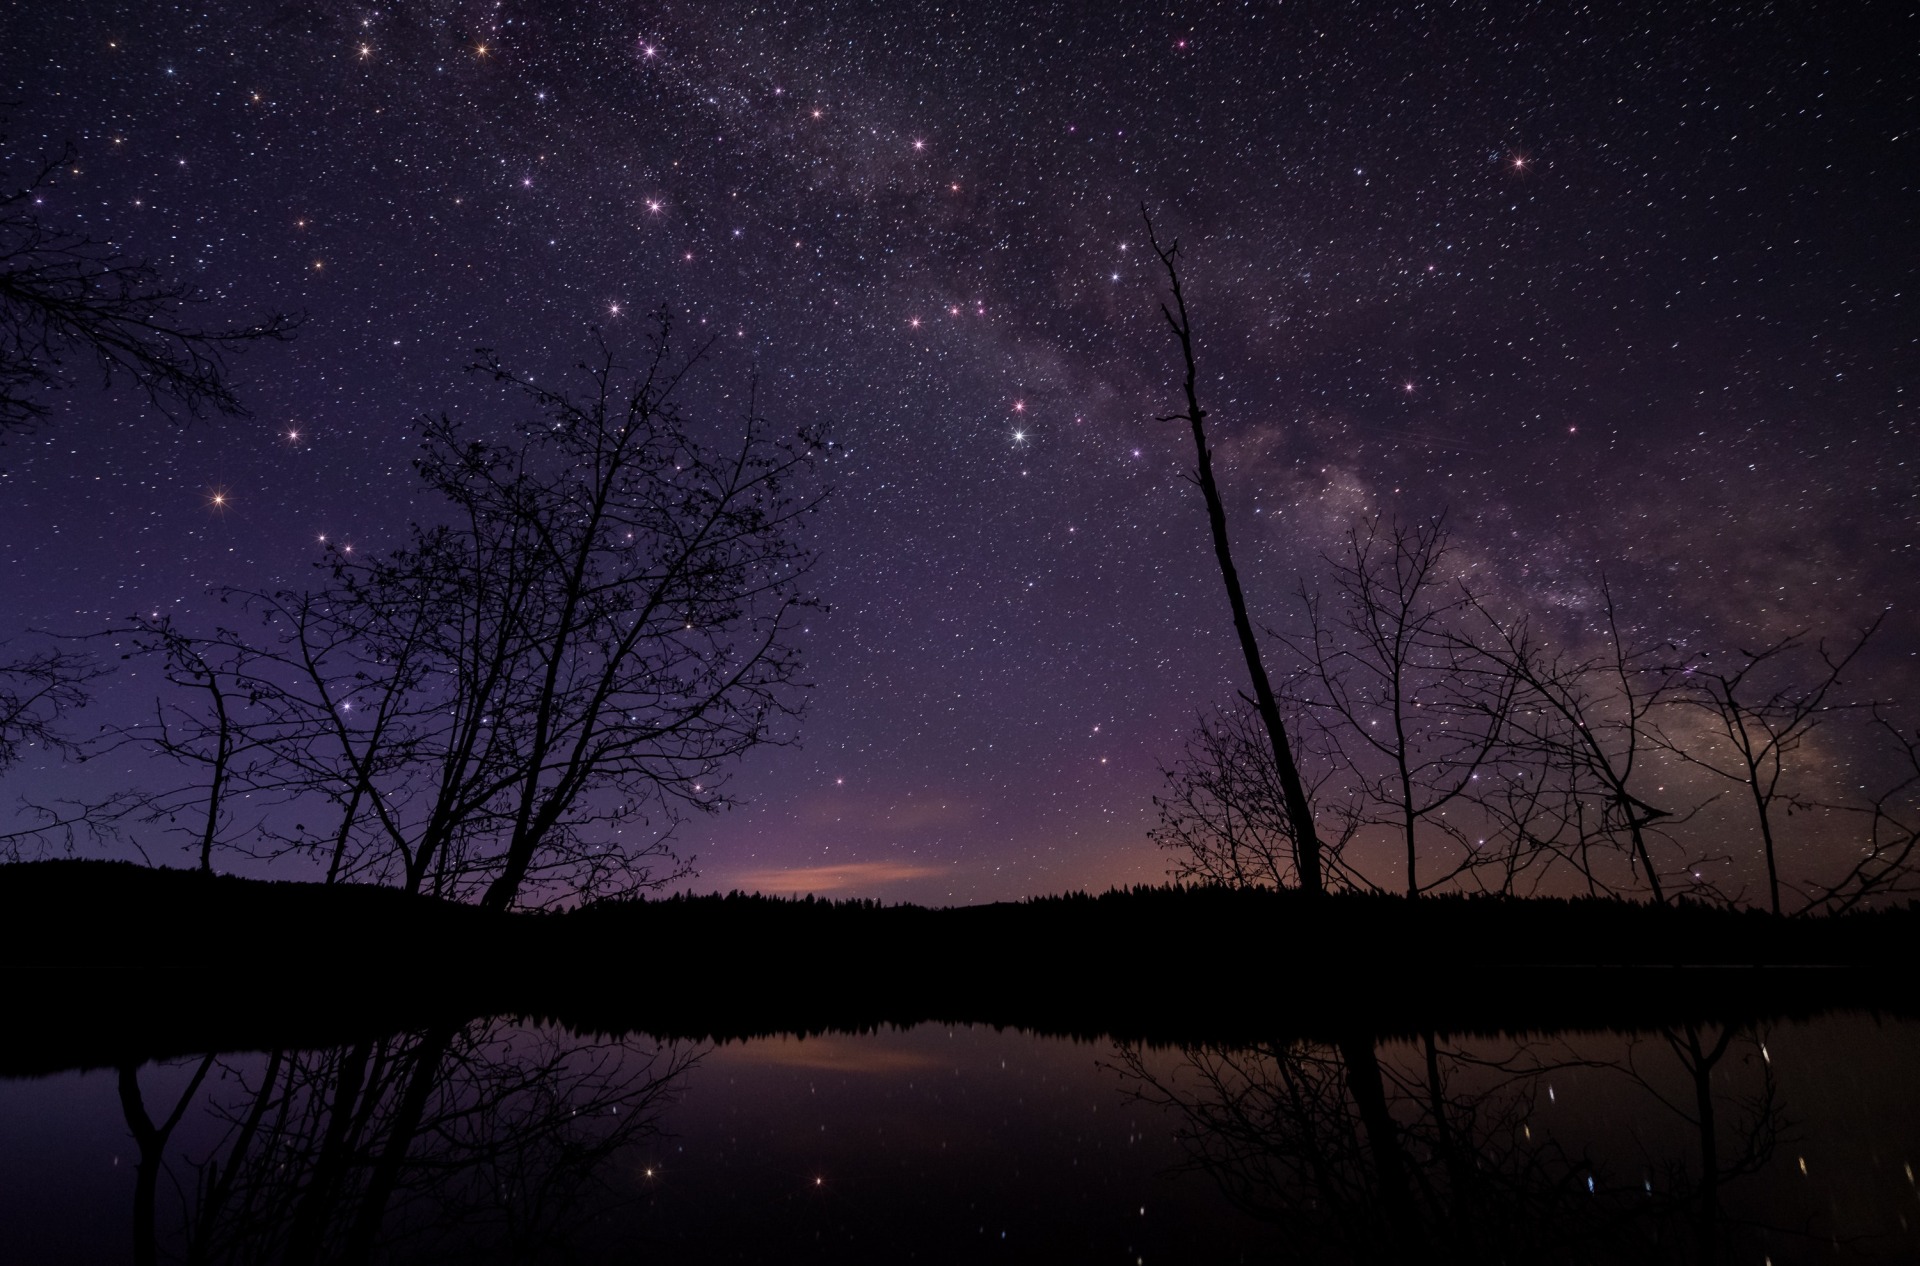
x=1299, y=812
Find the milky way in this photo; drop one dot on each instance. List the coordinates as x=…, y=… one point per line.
x=1625, y=293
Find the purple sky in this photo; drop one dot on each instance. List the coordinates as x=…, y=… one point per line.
x=1631, y=292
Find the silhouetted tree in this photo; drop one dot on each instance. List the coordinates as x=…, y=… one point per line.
x=203, y=724
x=1765, y=715
x=68, y=302
x=530, y=690
x=1224, y=815
x=1584, y=727
x=1306, y=841
x=39, y=689
x=1415, y=708
x=1888, y=865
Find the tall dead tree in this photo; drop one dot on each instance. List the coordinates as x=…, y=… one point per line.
x=1294, y=794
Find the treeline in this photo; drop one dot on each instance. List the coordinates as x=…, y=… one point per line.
x=101, y=913
x=219, y=961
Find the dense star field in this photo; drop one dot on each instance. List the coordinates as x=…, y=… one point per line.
x=1625, y=294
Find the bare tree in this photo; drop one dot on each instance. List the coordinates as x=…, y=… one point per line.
x=1306, y=841
x=1887, y=865
x=1764, y=721
x=68, y=301
x=1418, y=710
x=1224, y=815
x=1585, y=726
x=527, y=694
x=208, y=722
x=39, y=690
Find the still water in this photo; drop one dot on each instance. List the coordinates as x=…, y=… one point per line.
x=505, y=1141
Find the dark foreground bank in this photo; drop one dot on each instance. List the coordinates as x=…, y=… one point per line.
x=108, y=962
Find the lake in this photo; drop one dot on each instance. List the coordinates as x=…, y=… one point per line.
x=501, y=1140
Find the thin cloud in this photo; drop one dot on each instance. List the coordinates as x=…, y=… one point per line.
x=834, y=878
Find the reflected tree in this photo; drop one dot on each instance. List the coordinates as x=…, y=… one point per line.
x=1367, y=1154
x=150, y=1141
x=1737, y=1131
x=480, y=1141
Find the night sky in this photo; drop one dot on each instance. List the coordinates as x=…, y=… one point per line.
x=1625, y=293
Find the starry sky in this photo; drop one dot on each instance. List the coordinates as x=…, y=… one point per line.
x=1624, y=292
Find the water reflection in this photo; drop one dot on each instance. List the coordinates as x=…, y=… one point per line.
x=483, y=1140
x=1367, y=1152
x=505, y=1141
